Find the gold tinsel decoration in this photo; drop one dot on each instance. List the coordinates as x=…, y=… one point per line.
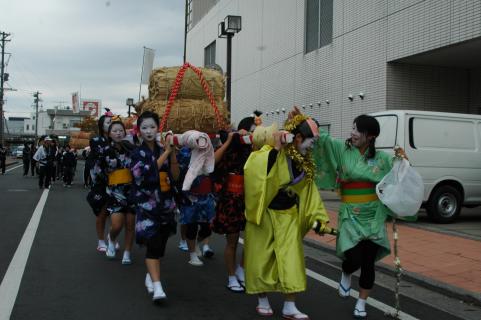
x=303, y=163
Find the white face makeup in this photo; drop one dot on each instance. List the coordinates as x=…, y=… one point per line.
x=306, y=145
x=107, y=122
x=148, y=129
x=358, y=139
x=117, y=132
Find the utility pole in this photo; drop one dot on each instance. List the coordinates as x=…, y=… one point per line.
x=37, y=100
x=186, y=25
x=3, y=39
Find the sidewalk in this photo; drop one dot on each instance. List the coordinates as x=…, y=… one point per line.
x=11, y=161
x=447, y=262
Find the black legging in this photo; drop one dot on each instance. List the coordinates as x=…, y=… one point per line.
x=192, y=230
x=363, y=256
x=156, y=244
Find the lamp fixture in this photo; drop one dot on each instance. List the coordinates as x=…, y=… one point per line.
x=350, y=97
x=327, y=102
x=310, y=105
x=303, y=106
x=278, y=111
x=361, y=95
x=230, y=25
x=319, y=104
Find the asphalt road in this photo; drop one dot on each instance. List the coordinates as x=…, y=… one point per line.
x=66, y=278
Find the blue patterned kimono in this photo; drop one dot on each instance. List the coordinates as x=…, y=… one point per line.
x=152, y=207
x=118, y=195
x=97, y=196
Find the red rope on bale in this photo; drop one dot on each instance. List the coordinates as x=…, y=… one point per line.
x=175, y=91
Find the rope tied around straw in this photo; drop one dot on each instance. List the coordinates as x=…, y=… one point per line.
x=175, y=91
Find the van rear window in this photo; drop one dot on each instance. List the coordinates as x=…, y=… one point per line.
x=443, y=134
x=388, y=135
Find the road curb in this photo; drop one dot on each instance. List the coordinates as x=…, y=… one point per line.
x=429, y=283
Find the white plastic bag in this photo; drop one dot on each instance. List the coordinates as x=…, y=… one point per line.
x=402, y=189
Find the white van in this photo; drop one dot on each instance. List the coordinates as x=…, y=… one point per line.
x=445, y=148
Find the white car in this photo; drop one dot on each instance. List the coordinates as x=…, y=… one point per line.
x=19, y=152
x=445, y=148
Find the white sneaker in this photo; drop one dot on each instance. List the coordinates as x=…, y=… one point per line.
x=183, y=245
x=196, y=262
x=148, y=283
x=110, y=253
x=126, y=260
x=159, y=293
x=207, y=251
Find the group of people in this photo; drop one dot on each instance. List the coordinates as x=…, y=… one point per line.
x=260, y=181
x=50, y=161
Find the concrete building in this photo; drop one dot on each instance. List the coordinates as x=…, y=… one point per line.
x=342, y=58
x=55, y=121
x=15, y=125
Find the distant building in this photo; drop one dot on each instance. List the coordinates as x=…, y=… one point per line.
x=55, y=121
x=340, y=59
x=15, y=125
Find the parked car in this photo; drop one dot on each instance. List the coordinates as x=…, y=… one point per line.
x=445, y=148
x=19, y=152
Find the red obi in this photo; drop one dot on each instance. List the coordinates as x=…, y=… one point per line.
x=204, y=187
x=235, y=183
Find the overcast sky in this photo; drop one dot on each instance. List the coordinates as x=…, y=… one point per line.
x=61, y=46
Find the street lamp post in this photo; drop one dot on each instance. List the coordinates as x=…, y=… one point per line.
x=227, y=28
x=130, y=103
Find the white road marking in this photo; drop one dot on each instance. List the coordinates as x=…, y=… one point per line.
x=373, y=302
x=14, y=168
x=11, y=281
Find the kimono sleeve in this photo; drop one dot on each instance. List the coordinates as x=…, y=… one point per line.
x=140, y=167
x=311, y=206
x=327, y=155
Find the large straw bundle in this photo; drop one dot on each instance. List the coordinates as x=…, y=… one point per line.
x=81, y=134
x=162, y=80
x=79, y=143
x=188, y=114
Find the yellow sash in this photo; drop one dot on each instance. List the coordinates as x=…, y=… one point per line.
x=164, y=181
x=120, y=176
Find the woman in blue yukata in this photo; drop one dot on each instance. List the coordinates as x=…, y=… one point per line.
x=119, y=180
x=152, y=168
x=96, y=196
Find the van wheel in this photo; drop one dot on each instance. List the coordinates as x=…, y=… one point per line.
x=444, y=204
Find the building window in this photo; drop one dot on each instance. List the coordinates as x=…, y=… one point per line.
x=318, y=26
x=209, y=55
x=27, y=127
x=189, y=14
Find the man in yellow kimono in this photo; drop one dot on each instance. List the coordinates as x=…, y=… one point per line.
x=282, y=205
